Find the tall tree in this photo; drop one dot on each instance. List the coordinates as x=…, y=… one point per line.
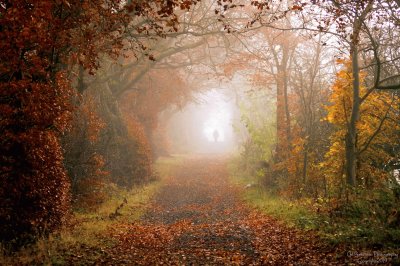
x=353, y=24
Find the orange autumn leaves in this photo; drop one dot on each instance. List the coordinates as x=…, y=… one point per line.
x=376, y=126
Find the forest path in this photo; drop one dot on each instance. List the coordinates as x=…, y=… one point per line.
x=198, y=218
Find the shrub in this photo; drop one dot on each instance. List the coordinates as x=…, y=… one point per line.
x=34, y=188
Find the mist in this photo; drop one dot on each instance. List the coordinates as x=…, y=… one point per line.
x=193, y=132
x=206, y=126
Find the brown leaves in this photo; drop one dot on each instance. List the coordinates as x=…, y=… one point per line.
x=198, y=219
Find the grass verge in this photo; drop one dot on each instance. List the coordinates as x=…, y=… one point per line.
x=291, y=213
x=357, y=225
x=89, y=233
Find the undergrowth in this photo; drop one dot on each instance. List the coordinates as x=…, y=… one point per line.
x=365, y=221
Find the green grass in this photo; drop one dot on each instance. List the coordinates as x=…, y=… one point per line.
x=291, y=213
x=362, y=223
x=91, y=230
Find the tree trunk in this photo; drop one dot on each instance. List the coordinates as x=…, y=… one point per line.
x=282, y=109
x=281, y=145
x=287, y=112
x=351, y=135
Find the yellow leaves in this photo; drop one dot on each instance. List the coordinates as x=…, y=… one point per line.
x=341, y=97
x=372, y=127
x=331, y=118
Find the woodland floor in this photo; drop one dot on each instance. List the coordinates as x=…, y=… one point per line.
x=198, y=218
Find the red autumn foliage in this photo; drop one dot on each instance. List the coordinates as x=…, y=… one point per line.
x=38, y=40
x=84, y=164
x=34, y=188
x=141, y=158
x=89, y=192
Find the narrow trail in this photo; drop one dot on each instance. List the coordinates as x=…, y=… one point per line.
x=198, y=218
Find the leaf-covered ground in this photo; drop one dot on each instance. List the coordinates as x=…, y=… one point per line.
x=198, y=218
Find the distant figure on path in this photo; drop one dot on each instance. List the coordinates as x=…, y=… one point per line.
x=216, y=135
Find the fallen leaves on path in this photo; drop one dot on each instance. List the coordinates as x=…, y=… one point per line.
x=198, y=219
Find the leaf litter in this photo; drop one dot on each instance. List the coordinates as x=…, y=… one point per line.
x=199, y=218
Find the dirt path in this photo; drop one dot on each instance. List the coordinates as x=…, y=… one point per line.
x=198, y=219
